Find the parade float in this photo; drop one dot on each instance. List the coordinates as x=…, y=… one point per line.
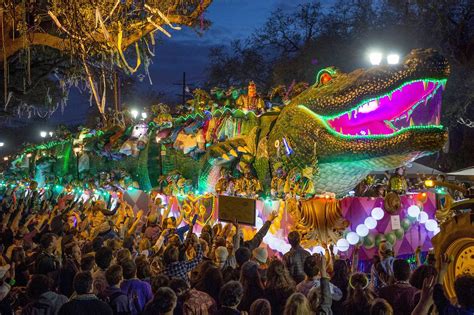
x=301, y=154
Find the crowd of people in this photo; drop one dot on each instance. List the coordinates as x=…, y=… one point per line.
x=70, y=258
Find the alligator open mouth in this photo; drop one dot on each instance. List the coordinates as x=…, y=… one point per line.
x=414, y=104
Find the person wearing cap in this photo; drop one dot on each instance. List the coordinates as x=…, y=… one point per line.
x=220, y=257
x=294, y=259
x=260, y=256
x=382, y=271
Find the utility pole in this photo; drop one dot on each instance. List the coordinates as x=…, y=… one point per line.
x=184, y=85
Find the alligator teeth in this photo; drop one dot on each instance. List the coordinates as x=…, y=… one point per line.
x=349, y=115
x=408, y=117
x=340, y=130
x=426, y=101
x=368, y=132
x=437, y=120
x=389, y=95
x=443, y=85
x=412, y=123
x=425, y=85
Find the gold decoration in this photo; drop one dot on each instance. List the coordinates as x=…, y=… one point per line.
x=392, y=203
x=321, y=219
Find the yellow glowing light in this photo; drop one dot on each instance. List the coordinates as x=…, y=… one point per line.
x=429, y=183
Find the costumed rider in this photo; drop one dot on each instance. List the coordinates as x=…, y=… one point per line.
x=250, y=101
x=300, y=183
x=278, y=183
x=397, y=182
x=248, y=185
x=225, y=184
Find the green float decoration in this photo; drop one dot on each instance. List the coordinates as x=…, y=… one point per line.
x=399, y=233
x=369, y=241
x=390, y=237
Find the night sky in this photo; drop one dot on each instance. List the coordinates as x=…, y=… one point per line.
x=187, y=51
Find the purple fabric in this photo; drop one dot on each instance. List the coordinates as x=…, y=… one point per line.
x=141, y=288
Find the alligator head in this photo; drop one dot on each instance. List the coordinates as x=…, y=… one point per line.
x=370, y=119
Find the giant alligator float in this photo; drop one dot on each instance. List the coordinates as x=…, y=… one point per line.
x=340, y=129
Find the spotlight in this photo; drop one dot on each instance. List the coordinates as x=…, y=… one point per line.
x=2, y=144
x=50, y=133
x=134, y=113
x=43, y=134
x=144, y=115
x=5, y=158
x=393, y=59
x=375, y=58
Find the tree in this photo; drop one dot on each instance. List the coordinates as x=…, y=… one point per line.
x=236, y=66
x=288, y=33
x=92, y=34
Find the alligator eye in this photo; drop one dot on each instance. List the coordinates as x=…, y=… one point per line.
x=325, y=78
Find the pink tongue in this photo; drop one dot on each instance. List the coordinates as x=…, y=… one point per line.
x=374, y=127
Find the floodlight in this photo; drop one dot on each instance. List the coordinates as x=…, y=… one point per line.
x=393, y=59
x=375, y=58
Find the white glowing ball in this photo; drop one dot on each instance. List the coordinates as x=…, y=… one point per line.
x=362, y=230
x=431, y=225
x=436, y=231
x=342, y=245
x=319, y=250
x=414, y=211
x=370, y=223
x=377, y=213
x=352, y=238
x=423, y=217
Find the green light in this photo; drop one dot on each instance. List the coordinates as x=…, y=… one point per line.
x=442, y=83
x=381, y=136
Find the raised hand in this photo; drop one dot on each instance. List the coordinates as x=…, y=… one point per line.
x=272, y=216
x=445, y=261
x=427, y=290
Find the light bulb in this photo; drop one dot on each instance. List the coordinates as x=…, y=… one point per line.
x=377, y=213
x=413, y=211
x=362, y=230
x=342, y=245
x=352, y=238
x=370, y=223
